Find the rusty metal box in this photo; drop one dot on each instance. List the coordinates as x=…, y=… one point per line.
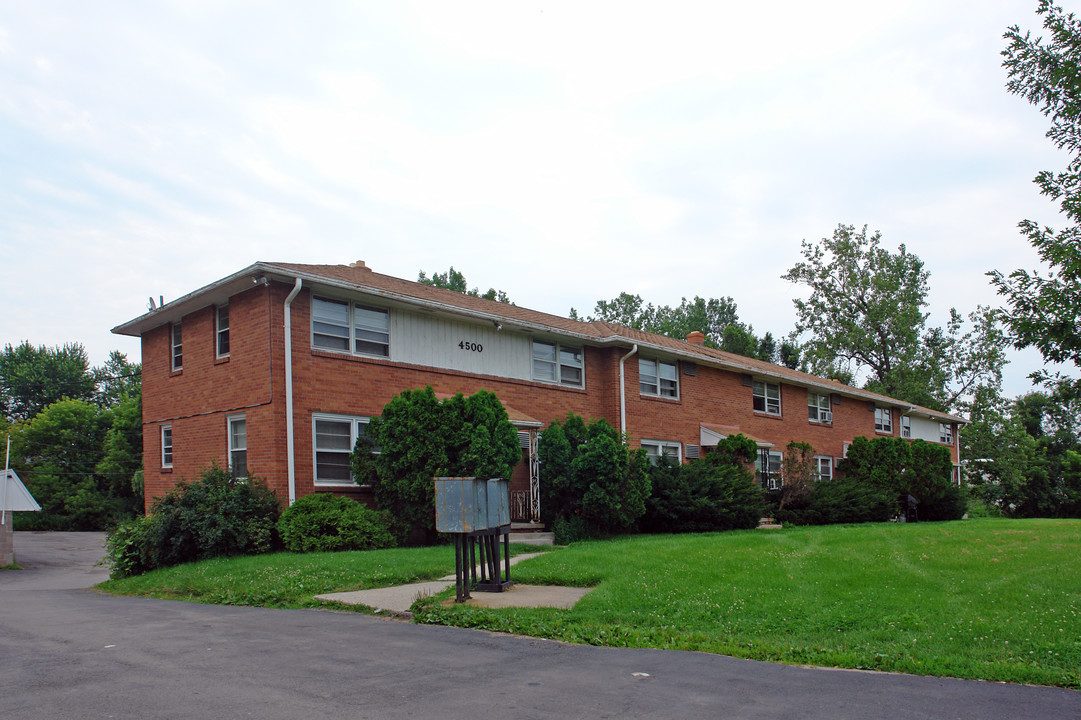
x=461, y=504
x=498, y=502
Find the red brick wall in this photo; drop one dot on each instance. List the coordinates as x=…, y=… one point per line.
x=197, y=399
x=719, y=397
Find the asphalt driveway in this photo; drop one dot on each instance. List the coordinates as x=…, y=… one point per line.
x=70, y=652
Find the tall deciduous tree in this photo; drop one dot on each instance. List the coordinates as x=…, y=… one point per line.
x=32, y=378
x=454, y=280
x=117, y=380
x=865, y=316
x=716, y=318
x=1043, y=311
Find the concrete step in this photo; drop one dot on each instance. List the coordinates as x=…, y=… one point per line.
x=533, y=538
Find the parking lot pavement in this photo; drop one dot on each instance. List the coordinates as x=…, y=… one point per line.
x=76, y=653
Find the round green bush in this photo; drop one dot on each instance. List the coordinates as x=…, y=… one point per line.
x=323, y=522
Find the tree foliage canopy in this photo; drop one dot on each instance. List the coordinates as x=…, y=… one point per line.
x=454, y=280
x=1043, y=311
x=78, y=461
x=31, y=378
x=865, y=315
x=716, y=318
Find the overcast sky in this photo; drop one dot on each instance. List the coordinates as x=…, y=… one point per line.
x=560, y=151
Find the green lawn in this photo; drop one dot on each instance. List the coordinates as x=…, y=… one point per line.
x=992, y=599
x=286, y=580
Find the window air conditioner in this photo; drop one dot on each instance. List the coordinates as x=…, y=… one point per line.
x=825, y=416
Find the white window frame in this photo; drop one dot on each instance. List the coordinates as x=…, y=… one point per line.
x=766, y=400
x=906, y=427
x=560, y=367
x=659, y=386
x=945, y=433
x=657, y=448
x=884, y=420
x=176, y=338
x=354, y=331
x=237, y=444
x=823, y=462
x=166, y=446
x=770, y=479
x=815, y=408
x=221, y=331
x=355, y=423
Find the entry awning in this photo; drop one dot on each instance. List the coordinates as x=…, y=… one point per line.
x=14, y=497
x=710, y=435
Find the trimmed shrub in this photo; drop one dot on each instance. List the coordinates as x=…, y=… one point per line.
x=323, y=522
x=840, y=501
x=218, y=515
x=571, y=529
x=715, y=493
x=950, y=505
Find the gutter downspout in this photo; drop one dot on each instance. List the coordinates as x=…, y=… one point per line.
x=290, y=450
x=623, y=393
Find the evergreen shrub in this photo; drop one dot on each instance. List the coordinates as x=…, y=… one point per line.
x=592, y=484
x=840, y=501
x=420, y=437
x=714, y=493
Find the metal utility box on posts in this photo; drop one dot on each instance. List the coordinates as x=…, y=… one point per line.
x=461, y=504
x=472, y=509
x=498, y=502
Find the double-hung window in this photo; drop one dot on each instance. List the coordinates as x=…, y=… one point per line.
x=823, y=467
x=767, y=397
x=348, y=327
x=818, y=408
x=561, y=364
x=238, y=445
x=178, y=347
x=221, y=334
x=657, y=449
x=166, y=446
x=906, y=426
x=945, y=433
x=334, y=438
x=767, y=469
x=658, y=378
x=883, y=420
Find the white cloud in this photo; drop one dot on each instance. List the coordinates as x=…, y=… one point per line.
x=561, y=151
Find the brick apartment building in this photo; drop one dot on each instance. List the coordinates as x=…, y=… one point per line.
x=276, y=369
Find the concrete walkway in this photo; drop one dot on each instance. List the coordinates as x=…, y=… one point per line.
x=400, y=598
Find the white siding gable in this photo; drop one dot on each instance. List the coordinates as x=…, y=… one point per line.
x=473, y=347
